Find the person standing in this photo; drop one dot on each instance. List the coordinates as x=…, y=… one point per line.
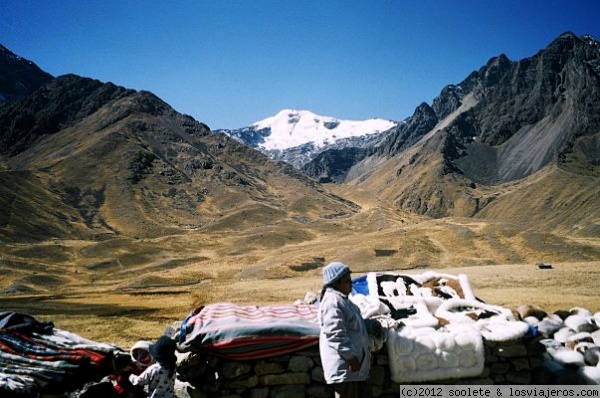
x=344, y=336
x=160, y=376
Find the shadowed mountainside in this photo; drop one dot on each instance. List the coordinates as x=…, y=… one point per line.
x=18, y=76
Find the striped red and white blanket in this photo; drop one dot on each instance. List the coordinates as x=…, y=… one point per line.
x=249, y=332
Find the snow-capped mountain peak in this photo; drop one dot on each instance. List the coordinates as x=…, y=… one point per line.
x=291, y=128
x=297, y=136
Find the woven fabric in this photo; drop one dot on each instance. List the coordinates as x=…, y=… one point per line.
x=249, y=332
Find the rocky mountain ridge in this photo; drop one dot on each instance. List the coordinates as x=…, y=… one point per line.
x=522, y=94
x=503, y=124
x=18, y=76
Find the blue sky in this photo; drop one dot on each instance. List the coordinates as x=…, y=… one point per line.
x=231, y=63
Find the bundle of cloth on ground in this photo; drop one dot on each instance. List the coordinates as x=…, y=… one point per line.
x=36, y=357
x=435, y=324
x=249, y=332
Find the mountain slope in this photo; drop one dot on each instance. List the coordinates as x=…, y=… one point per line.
x=92, y=159
x=18, y=76
x=498, y=128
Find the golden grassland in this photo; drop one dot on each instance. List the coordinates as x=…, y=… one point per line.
x=121, y=290
x=101, y=312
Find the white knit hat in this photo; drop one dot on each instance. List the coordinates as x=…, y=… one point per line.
x=333, y=272
x=140, y=353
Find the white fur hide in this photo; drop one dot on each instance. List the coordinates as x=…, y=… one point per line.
x=565, y=356
x=500, y=327
x=419, y=349
x=590, y=374
x=426, y=354
x=369, y=306
x=574, y=321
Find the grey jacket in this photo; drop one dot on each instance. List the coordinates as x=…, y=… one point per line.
x=343, y=336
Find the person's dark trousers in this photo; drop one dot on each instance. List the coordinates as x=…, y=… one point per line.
x=352, y=389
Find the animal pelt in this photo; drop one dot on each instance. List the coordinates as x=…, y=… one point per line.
x=566, y=357
x=589, y=327
x=445, y=288
x=596, y=337
x=527, y=310
x=430, y=284
x=432, y=288
x=400, y=283
x=577, y=338
x=580, y=311
x=399, y=313
x=563, y=314
x=426, y=354
x=583, y=347
x=589, y=374
x=369, y=306
x=549, y=326
x=459, y=308
x=575, y=321
x=563, y=334
x=499, y=329
x=494, y=322
x=591, y=356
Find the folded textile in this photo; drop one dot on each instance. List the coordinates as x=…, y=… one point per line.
x=249, y=332
x=11, y=321
x=36, y=357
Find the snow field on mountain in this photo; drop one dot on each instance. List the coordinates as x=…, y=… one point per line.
x=290, y=128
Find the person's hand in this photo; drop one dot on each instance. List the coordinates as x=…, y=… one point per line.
x=354, y=364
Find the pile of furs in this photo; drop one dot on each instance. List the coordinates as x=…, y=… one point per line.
x=435, y=324
x=416, y=307
x=572, y=341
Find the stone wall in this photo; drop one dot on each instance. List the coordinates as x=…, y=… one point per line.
x=300, y=374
